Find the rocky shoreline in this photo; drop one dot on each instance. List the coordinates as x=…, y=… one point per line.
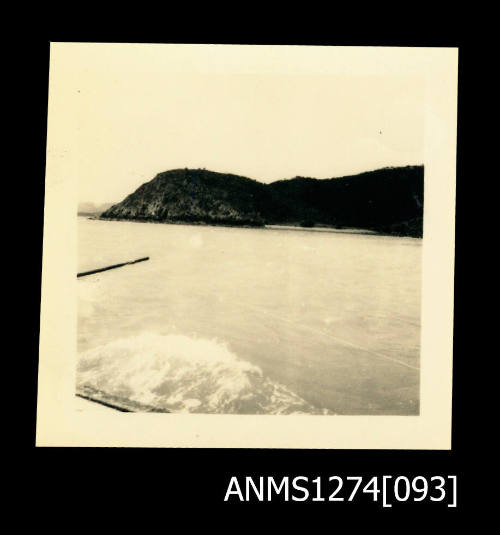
x=387, y=201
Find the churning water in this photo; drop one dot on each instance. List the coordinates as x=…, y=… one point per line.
x=237, y=320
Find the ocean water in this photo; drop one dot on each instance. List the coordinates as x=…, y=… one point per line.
x=250, y=321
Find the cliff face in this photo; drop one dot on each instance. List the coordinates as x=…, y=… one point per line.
x=387, y=200
x=195, y=196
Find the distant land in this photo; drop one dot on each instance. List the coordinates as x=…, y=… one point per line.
x=90, y=208
x=388, y=200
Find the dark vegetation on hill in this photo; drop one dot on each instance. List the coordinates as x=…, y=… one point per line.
x=388, y=200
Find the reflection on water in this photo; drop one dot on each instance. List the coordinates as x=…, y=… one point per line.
x=250, y=320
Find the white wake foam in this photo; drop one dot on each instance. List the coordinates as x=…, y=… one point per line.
x=183, y=374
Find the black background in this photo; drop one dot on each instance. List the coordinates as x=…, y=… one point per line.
x=122, y=483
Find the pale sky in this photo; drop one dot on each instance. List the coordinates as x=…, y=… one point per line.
x=140, y=110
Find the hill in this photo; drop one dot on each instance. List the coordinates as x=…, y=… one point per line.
x=388, y=200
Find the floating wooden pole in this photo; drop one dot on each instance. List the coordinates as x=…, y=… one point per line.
x=111, y=267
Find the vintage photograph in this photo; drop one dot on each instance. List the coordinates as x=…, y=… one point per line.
x=248, y=244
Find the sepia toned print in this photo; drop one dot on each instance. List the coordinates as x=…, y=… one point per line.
x=248, y=243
